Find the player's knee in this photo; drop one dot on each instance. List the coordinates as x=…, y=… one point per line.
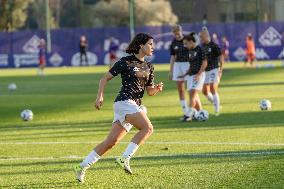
x=213, y=89
x=204, y=91
x=181, y=90
x=191, y=100
x=149, y=129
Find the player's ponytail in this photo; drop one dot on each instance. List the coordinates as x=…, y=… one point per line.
x=205, y=31
x=176, y=28
x=139, y=39
x=190, y=37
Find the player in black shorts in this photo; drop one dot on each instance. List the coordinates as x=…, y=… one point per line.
x=198, y=64
x=179, y=65
x=213, y=70
x=137, y=75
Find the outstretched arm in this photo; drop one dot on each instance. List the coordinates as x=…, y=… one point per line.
x=100, y=96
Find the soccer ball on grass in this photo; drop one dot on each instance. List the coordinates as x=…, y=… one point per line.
x=27, y=115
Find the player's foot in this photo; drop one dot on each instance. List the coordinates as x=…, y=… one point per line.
x=194, y=118
x=185, y=118
x=217, y=113
x=80, y=173
x=124, y=163
x=210, y=101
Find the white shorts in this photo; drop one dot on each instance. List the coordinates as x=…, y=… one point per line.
x=123, y=108
x=197, y=85
x=212, y=76
x=180, y=68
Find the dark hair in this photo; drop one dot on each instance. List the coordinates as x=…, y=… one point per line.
x=190, y=37
x=139, y=39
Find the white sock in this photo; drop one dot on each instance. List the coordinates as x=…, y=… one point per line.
x=191, y=112
x=184, y=107
x=130, y=150
x=216, y=101
x=92, y=158
x=210, y=97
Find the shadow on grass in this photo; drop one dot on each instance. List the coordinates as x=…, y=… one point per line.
x=251, y=84
x=228, y=121
x=161, y=124
x=41, y=185
x=63, y=125
x=153, y=161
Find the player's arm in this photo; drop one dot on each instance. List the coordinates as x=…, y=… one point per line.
x=102, y=84
x=172, y=61
x=153, y=90
x=117, y=68
x=182, y=76
x=220, y=57
x=203, y=66
x=221, y=60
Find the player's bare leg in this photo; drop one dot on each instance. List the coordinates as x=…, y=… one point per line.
x=141, y=121
x=181, y=93
x=207, y=93
x=216, y=98
x=116, y=133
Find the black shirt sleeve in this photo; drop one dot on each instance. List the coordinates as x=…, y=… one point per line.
x=217, y=50
x=172, y=51
x=117, y=68
x=150, y=81
x=203, y=54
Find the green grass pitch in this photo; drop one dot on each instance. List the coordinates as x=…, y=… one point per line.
x=242, y=148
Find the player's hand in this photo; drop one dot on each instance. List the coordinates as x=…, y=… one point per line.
x=181, y=76
x=170, y=76
x=220, y=72
x=160, y=86
x=99, y=102
x=197, y=77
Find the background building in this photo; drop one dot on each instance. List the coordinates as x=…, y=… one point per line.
x=216, y=11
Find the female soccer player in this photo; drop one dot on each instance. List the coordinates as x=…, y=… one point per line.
x=179, y=66
x=83, y=45
x=137, y=75
x=225, y=49
x=41, y=57
x=250, y=50
x=213, y=71
x=113, y=47
x=198, y=63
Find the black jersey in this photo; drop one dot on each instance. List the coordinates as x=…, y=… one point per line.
x=135, y=75
x=196, y=57
x=178, y=49
x=83, y=47
x=213, y=52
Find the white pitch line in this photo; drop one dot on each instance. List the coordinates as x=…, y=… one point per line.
x=228, y=154
x=150, y=142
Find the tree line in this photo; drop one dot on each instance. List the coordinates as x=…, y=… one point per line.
x=30, y=14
